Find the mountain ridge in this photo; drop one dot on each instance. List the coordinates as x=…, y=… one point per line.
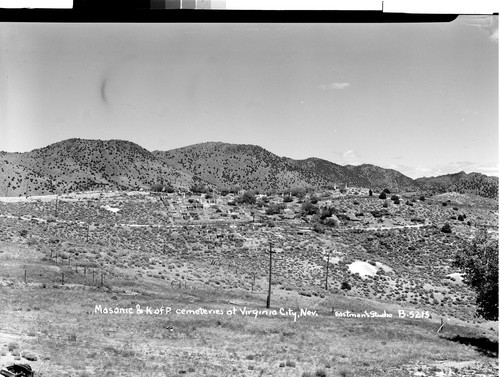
x=84, y=164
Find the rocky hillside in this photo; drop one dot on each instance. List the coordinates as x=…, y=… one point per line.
x=472, y=183
x=79, y=165
x=359, y=176
x=246, y=166
x=76, y=164
x=251, y=166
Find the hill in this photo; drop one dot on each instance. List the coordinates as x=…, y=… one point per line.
x=251, y=166
x=78, y=165
x=365, y=175
x=472, y=183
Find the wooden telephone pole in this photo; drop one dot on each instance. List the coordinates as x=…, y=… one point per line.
x=327, y=265
x=271, y=252
x=57, y=199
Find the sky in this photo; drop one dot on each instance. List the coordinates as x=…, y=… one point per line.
x=418, y=98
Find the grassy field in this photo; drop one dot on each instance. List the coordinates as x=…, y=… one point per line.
x=61, y=326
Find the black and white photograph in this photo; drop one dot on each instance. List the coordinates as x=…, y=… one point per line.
x=310, y=199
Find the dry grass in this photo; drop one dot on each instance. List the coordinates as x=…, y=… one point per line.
x=151, y=266
x=69, y=339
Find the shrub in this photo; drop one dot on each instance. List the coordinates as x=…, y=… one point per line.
x=12, y=346
x=314, y=199
x=325, y=212
x=298, y=192
x=382, y=195
x=308, y=208
x=318, y=228
x=446, y=228
x=198, y=188
x=157, y=187
x=287, y=199
x=346, y=286
x=422, y=198
x=387, y=191
x=461, y=217
x=248, y=197
x=320, y=373
x=394, y=197
x=330, y=221
x=275, y=209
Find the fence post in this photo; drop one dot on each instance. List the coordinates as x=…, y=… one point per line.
x=62, y=278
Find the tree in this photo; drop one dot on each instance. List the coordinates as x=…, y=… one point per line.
x=382, y=195
x=479, y=262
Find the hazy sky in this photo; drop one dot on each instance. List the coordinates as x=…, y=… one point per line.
x=419, y=98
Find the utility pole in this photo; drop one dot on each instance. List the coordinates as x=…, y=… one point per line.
x=271, y=252
x=326, y=277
